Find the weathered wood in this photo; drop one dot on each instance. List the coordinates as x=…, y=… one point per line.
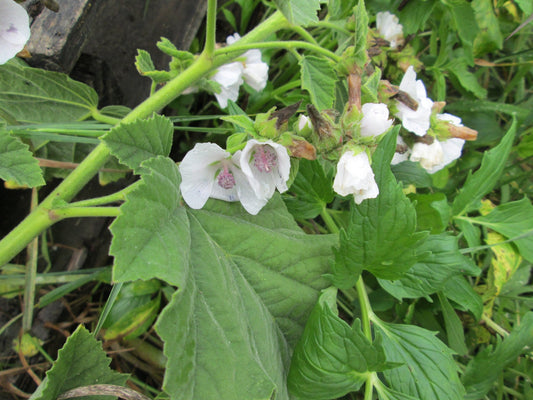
x=111, y=31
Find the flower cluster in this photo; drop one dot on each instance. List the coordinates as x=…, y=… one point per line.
x=251, y=70
x=14, y=29
x=250, y=176
x=431, y=151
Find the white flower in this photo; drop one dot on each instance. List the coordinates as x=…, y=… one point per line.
x=14, y=29
x=267, y=166
x=375, y=119
x=255, y=72
x=450, y=118
x=414, y=121
x=229, y=77
x=437, y=155
x=389, y=27
x=355, y=176
x=210, y=171
x=403, y=155
x=304, y=122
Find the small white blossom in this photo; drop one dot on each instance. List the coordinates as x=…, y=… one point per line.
x=304, y=122
x=403, y=155
x=437, y=155
x=375, y=119
x=355, y=176
x=267, y=166
x=210, y=171
x=229, y=77
x=414, y=121
x=450, y=118
x=255, y=71
x=14, y=29
x=388, y=25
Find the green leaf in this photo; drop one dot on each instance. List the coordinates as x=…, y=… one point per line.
x=17, y=163
x=485, y=178
x=489, y=37
x=80, y=362
x=441, y=261
x=454, y=327
x=465, y=24
x=332, y=359
x=318, y=78
x=485, y=368
x=381, y=236
x=428, y=371
x=361, y=33
x=414, y=15
x=468, y=80
x=512, y=220
x=312, y=190
x=167, y=47
x=246, y=285
x=32, y=95
x=458, y=289
x=432, y=211
x=146, y=67
x=135, y=142
x=409, y=172
x=299, y=12
x=489, y=106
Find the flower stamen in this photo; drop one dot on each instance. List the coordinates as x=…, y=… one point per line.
x=225, y=179
x=265, y=159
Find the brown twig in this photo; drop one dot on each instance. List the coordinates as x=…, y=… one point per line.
x=103, y=390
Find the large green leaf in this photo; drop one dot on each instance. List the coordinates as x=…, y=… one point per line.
x=80, y=362
x=485, y=178
x=428, y=371
x=381, y=236
x=318, y=78
x=299, y=12
x=513, y=220
x=361, y=33
x=31, y=95
x=246, y=285
x=483, y=370
x=312, y=190
x=140, y=140
x=332, y=358
x=458, y=289
x=17, y=163
x=442, y=261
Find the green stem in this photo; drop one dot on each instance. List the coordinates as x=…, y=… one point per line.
x=77, y=212
x=106, y=119
x=332, y=26
x=51, y=278
x=112, y=198
x=210, y=30
x=494, y=326
x=40, y=218
x=366, y=309
x=278, y=44
x=31, y=272
x=304, y=34
x=331, y=225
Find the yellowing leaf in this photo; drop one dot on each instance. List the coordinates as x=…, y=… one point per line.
x=504, y=263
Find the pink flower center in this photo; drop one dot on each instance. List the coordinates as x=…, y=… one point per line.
x=225, y=179
x=265, y=158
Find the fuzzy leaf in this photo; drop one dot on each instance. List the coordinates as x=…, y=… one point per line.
x=485, y=178
x=381, y=236
x=332, y=359
x=312, y=190
x=140, y=140
x=32, y=95
x=458, y=289
x=80, y=362
x=442, y=260
x=299, y=12
x=428, y=372
x=318, y=78
x=246, y=285
x=17, y=163
x=485, y=368
x=361, y=33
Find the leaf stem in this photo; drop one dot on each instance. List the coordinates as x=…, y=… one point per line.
x=304, y=34
x=331, y=225
x=106, y=119
x=278, y=44
x=494, y=326
x=210, y=30
x=76, y=212
x=31, y=272
x=112, y=198
x=366, y=309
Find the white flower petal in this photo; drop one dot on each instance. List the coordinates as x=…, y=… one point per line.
x=428, y=155
x=400, y=156
x=388, y=26
x=375, y=119
x=14, y=29
x=450, y=118
x=355, y=176
x=198, y=170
